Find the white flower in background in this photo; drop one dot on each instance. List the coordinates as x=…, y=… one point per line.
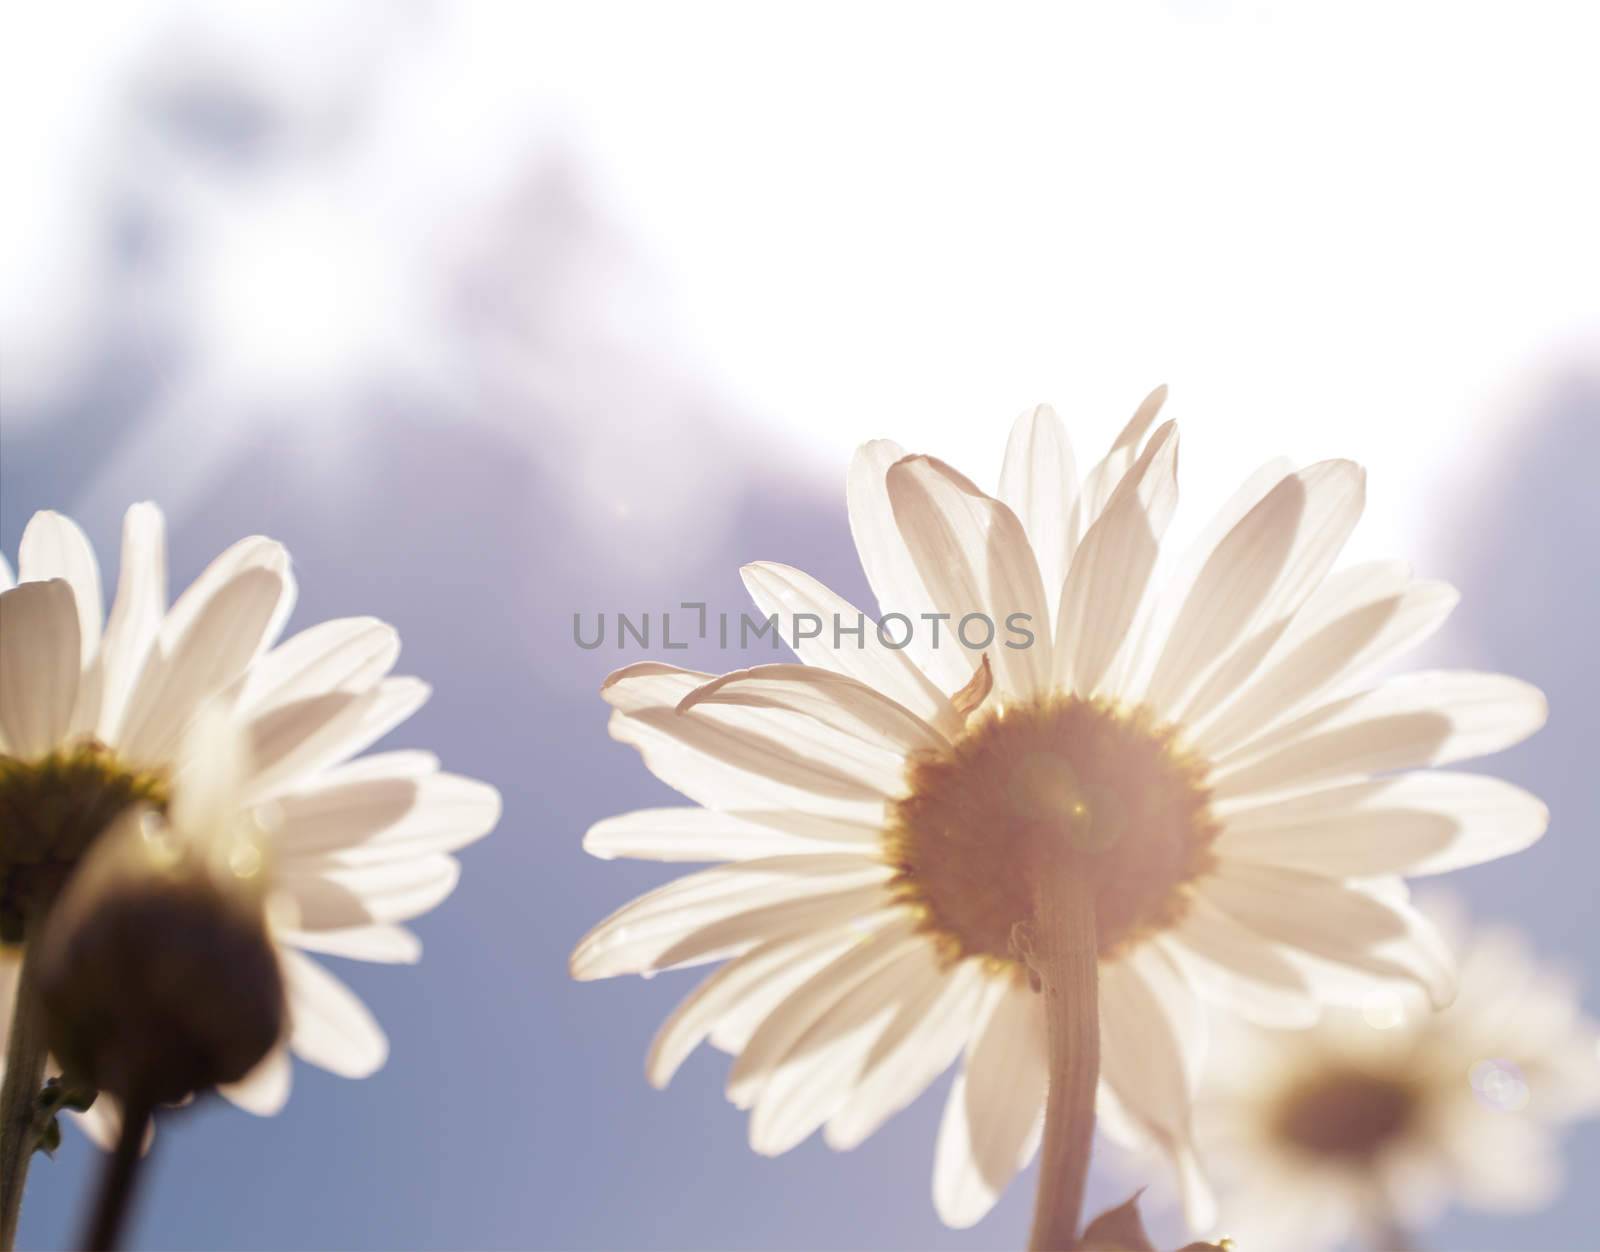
x=1216, y=740
x=95, y=710
x=1374, y=1120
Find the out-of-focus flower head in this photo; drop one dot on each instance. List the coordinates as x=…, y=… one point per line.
x=1382, y=1115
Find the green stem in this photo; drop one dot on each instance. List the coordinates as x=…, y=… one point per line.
x=1064, y=958
x=117, y=1182
x=19, y=1099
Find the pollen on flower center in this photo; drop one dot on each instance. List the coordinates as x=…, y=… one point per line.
x=982, y=817
x=51, y=810
x=1345, y=1113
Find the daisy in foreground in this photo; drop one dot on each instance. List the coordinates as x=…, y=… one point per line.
x=1372, y=1122
x=92, y=715
x=1038, y=863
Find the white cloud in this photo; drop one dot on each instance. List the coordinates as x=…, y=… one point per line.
x=1334, y=230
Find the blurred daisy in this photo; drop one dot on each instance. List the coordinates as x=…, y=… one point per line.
x=1374, y=1120
x=882, y=806
x=93, y=711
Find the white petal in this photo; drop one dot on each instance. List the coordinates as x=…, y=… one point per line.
x=1039, y=480
x=1165, y=602
x=822, y=1067
x=1426, y=718
x=102, y=1123
x=1418, y=823
x=694, y=834
x=973, y=557
x=1152, y=1037
x=381, y=819
x=788, y=593
x=347, y=654
x=1507, y=1164
x=8, y=580
x=329, y=1026
x=990, y=1129
x=739, y=1022
x=840, y=705
x=325, y=817
x=829, y=830
x=135, y=614
x=1102, y=481
x=923, y=1041
x=404, y=763
x=1112, y=567
x=775, y=1039
x=733, y=758
x=265, y=1090
x=54, y=546
x=211, y=764
x=889, y=567
x=254, y=553
x=333, y=896
x=221, y=639
x=299, y=739
x=1257, y=577
x=1338, y=921
x=40, y=662
x=383, y=944
x=744, y=902
x=755, y=983
x=1240, y=970
x=1375, y=622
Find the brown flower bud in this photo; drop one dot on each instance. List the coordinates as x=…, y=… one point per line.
x=155, y=968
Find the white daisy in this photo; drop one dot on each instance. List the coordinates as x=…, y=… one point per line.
x=92, y=713
x=1374, y=1120
x=879, y=808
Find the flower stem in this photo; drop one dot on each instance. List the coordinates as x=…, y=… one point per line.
x=1382, y=1230
x=19, y=1099
x=1388, y=1235
x=115, y=1200
x=1064, y=958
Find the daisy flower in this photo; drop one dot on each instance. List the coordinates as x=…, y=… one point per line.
x=1374, y=1120
x=1194, y=766
x=93, y=710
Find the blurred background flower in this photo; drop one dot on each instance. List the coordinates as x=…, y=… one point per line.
x=495, y=313
x=1375, y=1120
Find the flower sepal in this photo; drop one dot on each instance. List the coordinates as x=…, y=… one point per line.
x=1120, y=1229
x=57, y=1095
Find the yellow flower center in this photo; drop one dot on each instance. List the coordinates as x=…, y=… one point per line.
x=1345, y=1113
x=51, y=810
x=982, y=817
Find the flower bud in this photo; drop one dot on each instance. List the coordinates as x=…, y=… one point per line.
x=155, y=968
